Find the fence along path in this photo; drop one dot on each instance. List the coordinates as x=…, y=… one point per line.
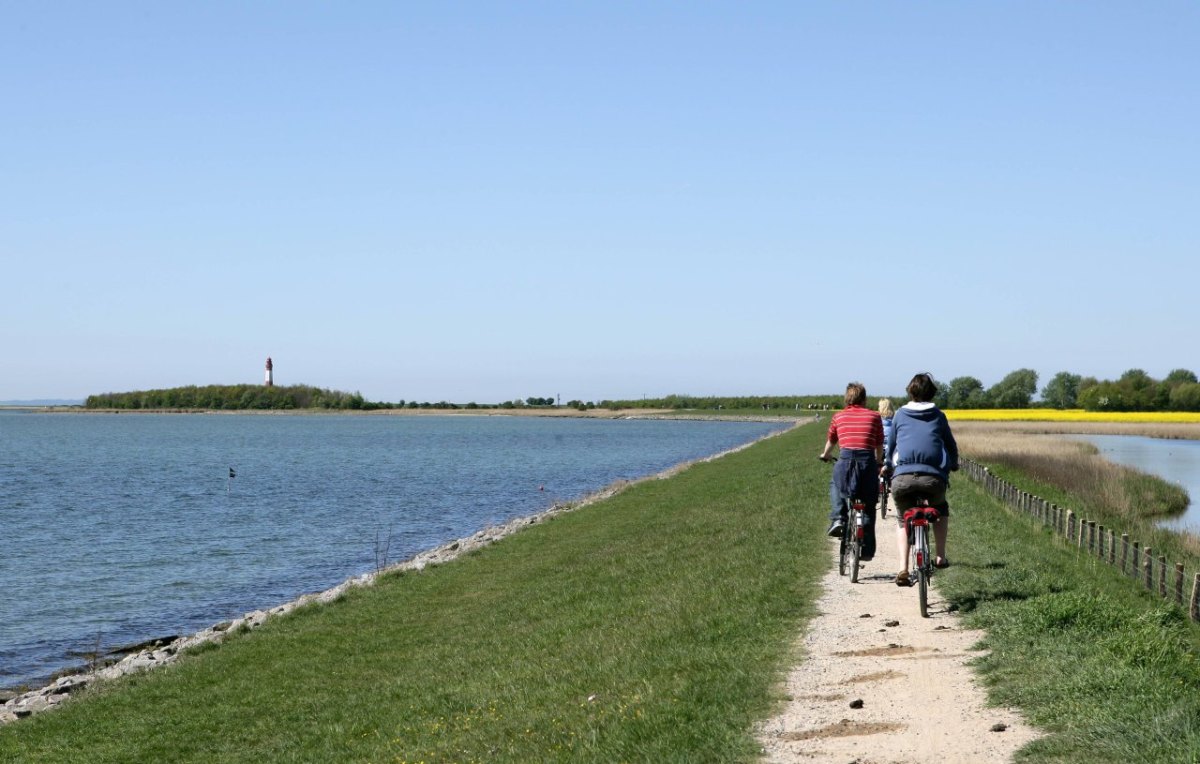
x=1095, y=540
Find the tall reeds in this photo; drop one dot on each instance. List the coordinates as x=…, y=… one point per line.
x=1074, y=467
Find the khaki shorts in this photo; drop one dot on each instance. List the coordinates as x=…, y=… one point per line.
x=908, y=488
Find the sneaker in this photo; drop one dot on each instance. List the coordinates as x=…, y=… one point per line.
x=902, y=579
x=835, y=530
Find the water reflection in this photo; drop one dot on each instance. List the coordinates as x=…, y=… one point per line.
x=1175, y=460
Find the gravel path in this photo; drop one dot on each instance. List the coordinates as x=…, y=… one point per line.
x=880, y=685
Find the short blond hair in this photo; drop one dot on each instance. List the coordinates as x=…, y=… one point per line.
x=885, y=407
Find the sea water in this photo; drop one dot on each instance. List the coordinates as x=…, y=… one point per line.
x=115, y=529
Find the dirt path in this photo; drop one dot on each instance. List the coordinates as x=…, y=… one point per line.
x=920, y=702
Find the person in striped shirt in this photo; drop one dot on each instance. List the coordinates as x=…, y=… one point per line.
x=858, y=432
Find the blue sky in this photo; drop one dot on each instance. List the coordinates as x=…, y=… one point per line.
x=487, y=201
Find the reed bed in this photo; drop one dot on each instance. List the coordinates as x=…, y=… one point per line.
x=1068, y=468
x=1165, y=430
x=1077, y=468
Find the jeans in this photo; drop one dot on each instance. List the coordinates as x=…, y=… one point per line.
x=857, y=468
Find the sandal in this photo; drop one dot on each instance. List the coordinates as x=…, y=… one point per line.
x=941, y=562
x=902, y=579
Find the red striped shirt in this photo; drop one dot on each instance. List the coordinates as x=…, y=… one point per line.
x=856, y=427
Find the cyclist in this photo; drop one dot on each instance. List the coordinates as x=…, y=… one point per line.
x=921, y=454
x=858, y=432
x=886, y=413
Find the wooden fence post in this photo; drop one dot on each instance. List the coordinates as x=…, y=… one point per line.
x=1179, y=584
x=1148, y=568
x=1100, y=541
x=1112, y=547
x=1162, y=576
x=1194, y=608
x=1137, y=560
x=1082, y=533
x=1070, y=525
x=1124, y=553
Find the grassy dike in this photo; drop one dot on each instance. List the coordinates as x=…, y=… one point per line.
x=652, y=626
x=1110, y=672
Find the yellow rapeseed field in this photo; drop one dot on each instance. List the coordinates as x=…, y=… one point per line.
x=1071, y=415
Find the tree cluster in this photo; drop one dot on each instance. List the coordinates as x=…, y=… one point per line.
x=1015, y=391
x=1135, y=390
x=234, y=398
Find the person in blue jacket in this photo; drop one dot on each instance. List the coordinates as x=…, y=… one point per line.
x=886, y=413
x=920, y=453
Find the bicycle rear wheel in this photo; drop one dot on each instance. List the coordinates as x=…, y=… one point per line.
x=843, y=554
x=920, y=567
x=855, y=554
x=923, y=593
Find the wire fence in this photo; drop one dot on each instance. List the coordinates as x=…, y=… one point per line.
x=1134, y=561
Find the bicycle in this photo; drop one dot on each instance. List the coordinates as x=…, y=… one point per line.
x=917, y=525
x=850, y=545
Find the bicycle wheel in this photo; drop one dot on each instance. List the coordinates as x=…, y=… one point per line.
x=922, y=571
x=842, y=555
x=855, y=554
x=883, y=496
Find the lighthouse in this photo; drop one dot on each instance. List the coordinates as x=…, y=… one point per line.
x=270, y=375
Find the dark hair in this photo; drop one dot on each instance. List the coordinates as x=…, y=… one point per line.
x=856, y=394
x=922, y=389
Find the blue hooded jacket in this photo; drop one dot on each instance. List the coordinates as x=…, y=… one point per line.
x=921, y=441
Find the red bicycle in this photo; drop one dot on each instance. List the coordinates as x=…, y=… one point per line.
x=917, y=523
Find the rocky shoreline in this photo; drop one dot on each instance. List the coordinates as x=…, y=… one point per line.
x=165, y=651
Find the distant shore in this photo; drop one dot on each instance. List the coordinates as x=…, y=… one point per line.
x=682, y=414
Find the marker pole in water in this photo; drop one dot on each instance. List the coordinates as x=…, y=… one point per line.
x=229, y=482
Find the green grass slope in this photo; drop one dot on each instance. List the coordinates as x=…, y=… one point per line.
x=653, y=626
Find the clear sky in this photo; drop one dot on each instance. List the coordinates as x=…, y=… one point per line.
x=487, y=201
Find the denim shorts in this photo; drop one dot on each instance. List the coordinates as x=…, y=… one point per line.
x=911, y=486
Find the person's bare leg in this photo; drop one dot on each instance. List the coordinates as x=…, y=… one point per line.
x=902, y=545
x=940, y=529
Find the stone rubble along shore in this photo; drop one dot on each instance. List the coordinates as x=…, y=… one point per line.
x=163, y=652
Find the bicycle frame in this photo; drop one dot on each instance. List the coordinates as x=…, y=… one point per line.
x=917, y=522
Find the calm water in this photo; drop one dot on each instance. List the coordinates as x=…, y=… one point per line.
x=129, y=527
x=1175, y=460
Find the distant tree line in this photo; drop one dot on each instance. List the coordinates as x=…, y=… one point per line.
x=760, y=402
x=281, y=398
x=1135, y=390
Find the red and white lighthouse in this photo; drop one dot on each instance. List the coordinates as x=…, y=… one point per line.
x=270, y=374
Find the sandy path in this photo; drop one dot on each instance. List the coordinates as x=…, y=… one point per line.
x=920, y=701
